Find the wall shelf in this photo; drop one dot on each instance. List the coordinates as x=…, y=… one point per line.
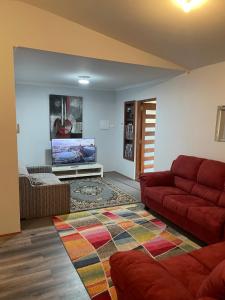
x=129, y=130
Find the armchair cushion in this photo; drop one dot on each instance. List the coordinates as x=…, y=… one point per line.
x=22, y=170
x=214, y=284
x=35, y=181
x=44, y=179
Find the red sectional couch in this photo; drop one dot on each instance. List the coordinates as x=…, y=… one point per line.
x=196, y=275
x=191, y=195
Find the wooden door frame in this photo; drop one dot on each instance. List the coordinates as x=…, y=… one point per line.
x=138, y=136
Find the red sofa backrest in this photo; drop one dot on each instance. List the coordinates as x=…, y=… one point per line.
x=185, y=168
x=202, y=177
x=210, y=180
x=212, y=174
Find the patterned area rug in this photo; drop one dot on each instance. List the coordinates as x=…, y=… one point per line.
x=91, y=237
x=92, y=193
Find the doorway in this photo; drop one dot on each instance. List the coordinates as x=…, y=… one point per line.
x=145, y=142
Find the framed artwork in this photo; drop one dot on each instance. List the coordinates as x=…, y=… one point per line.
x=65, y=116
x=220, y=124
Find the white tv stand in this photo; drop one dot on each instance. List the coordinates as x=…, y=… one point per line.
x=73, y=171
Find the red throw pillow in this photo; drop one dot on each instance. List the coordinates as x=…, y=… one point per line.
x=214, y=285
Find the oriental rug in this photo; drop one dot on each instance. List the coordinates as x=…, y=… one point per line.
x=92, y=193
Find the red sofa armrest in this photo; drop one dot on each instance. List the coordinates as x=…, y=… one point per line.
x=164, y=178
x=138, y=276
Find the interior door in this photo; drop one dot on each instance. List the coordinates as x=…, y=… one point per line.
x=146, y=137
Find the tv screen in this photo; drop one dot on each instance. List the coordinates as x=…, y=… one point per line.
x=73, y=151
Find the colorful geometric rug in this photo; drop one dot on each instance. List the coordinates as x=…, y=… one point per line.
x=92, y=193
x=91, y=237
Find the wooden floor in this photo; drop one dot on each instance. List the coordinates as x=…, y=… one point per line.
x=34, y=263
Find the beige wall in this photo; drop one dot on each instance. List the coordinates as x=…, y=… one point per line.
x=9, y=205
x=26, y=26
x=187, y=109
x=186, y=117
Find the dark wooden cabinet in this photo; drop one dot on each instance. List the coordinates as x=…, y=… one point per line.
x=129, y=130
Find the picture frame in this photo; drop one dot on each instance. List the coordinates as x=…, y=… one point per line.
x=220, y=124
x=65, y=116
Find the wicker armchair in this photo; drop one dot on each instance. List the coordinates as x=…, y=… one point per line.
x=42, y=200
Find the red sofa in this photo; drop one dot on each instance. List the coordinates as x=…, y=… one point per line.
x=197, y=275
x=191, y=195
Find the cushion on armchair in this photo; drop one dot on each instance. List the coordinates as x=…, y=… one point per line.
x=35, y=181
x=22, y=170
x=44, y=179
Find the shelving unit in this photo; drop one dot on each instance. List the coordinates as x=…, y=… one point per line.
x=73, y=171
x=129, y=130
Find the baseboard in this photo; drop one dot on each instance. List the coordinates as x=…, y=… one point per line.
x=8, y=234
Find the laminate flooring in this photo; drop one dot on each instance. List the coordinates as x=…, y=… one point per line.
x=34, y=263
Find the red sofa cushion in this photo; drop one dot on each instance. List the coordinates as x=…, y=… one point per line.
x=186, y=166
x=187, y=270
x=211, y=218
x=180, y=204
x=221, y=201
x=210, y=256
x=138, y=276
x=157, y=193
x=183, y=184
x=212, y=173
x=206, y=193
x=214, y=284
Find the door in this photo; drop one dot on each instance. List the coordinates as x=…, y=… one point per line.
x=146, y=123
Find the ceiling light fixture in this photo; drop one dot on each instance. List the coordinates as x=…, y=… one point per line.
x=188, y=5
x=84, y=80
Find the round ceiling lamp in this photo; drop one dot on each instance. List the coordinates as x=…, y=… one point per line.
x=85, y=80
x=188, y=5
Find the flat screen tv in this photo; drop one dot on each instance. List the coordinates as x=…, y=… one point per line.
x=73, y=151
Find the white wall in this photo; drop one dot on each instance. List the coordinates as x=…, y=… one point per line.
x=186, y=116
x=32, y=104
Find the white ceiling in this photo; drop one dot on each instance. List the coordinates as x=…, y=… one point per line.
x=156, y=26
x=41, y=67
